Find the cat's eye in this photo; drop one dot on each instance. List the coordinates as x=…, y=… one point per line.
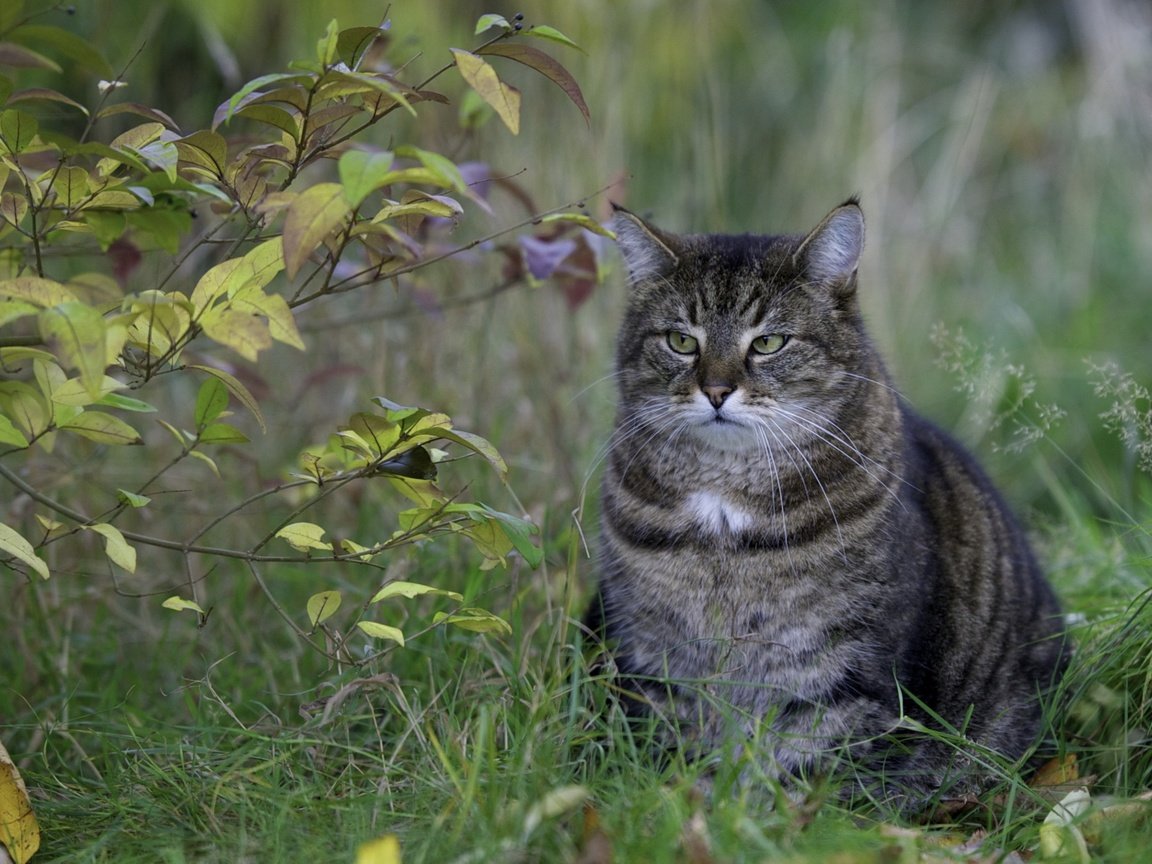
x=770, y=343
x=682, y=343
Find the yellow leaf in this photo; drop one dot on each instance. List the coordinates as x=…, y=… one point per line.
x=77, y=334
x=323, y=606
x=244, y=333
x=482, y=78
x=19, y=833
x=179, y=604
x=115, y=546
x=314, y=215
x=385, y=850
x=304, y=536
x=381, y=631
x=102, y=428
x=13, y=544
x=42, y=292
x=409, y=590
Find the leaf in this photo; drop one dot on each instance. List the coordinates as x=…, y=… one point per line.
x=581, y=219
x=9, y=434
x=482, y=78
x=323, y=606
x=546, y=65
x=179, y=604
x=132, y=499
x=326, y=47
x=310, y=219
x=245, y=334
x=255, y=84
x=19, y=832
x=543, y=31
x=42, y=292
x=221, y=433
x=361, y=173
x=139, y=110
x=381, y=631
x=281, y=324
x=384, y=850
x=115, y=546
x=45, y=94
x=355, y=41
x=205, y=150
x=16, y=546
x=17, y=130
x=476, y=620
x=102, y=428
x=256, y=269
x=211, y=400
x=304, y=536
x=1060, y=838
x=125, y=403
x=77, y=333
x=238, y=390
x=490, y=20
x=67, y=43
x=19, y=57
x=410, y=590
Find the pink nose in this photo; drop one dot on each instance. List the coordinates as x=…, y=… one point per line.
x=717, y=393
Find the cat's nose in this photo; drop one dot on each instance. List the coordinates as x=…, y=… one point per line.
x=717, y=393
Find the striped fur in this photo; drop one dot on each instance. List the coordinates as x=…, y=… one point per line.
x=788, y=551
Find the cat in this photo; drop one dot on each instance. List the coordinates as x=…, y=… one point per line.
x=790, y=554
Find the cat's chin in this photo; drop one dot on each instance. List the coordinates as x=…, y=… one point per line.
x=725, y=435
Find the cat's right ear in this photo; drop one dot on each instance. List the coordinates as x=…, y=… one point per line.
x=648, y=252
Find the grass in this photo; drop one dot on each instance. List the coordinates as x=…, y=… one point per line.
x=1000, y=158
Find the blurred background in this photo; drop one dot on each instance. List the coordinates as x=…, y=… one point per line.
x=1001, y=151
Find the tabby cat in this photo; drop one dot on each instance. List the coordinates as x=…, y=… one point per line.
x=789, y=552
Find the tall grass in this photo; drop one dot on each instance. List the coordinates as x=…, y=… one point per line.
x=1002, y=160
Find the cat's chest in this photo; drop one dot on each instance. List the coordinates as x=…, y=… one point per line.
x=716, y=513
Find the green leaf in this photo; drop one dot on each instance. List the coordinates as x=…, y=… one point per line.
x=132, y=499
x=12, y=310
x=20, y=549
x=581, y=219
x=115, y=546
x=256, y=83
x=205, y=150
x=361, y=173
x=481, y=77
x=304, y=536
x=315, y=214
x=179, y=604
x=477, y=620
x=443, y=168
x=546, y=65
x=222, y=433
x=543, y=31
x=17, y=130
x=125, y=403
x=211, y=401
x=490, y=20
x=323, y=606
x=102, y=428
x=207, y=460
x=67, y=43
x=9, y=434
x=353, y=42
x=78, y=334
x=381, y=631
x=410, y=590
x=326, y=47
x=44, y=94
x=238, y=390
x=281, y=324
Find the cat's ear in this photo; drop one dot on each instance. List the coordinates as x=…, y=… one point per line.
x=831, y=253
x=647, y=251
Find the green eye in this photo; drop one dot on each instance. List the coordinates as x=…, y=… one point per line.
x=769, y=344
x=682, y=343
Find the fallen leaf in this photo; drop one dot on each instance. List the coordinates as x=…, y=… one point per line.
x=19, y=832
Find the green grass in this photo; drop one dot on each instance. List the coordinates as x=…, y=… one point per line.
x=1005, y=196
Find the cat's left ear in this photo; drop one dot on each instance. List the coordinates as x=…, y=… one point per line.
x=830, y=254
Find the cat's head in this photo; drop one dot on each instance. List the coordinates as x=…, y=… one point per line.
x=739, y=339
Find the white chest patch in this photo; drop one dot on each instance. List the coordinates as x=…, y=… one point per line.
x=716, y=513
